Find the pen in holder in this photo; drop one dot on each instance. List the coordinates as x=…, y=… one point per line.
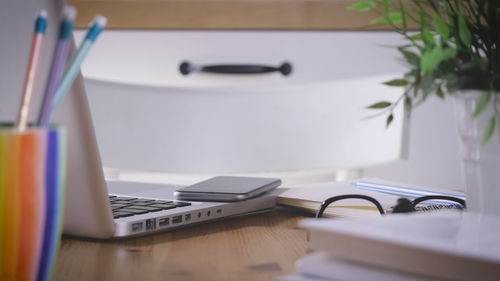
x=32, y=175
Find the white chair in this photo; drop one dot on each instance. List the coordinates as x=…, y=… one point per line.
x=298, y=132
x=156, y=124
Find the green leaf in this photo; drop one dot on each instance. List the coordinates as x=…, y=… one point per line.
x=417, y=37
x=481, y=104
x=410, y=57
x=431, y=59
x=440, y=93
x=441, y=27
x=463, y=31
x=449, y=53
x=382, y=104
x=427, y=35
x=397, y=82
x=389, y=120
x=380, y=20
x=393, y=17
x=363, y=6
x=488, y=130
x=426, y=61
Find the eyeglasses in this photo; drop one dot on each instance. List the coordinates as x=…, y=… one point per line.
x=403, y=205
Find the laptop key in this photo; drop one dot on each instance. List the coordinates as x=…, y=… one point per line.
x=121, y=215
x=121, y=202
x=162, y=201
x=143, y=201
x=134, y=211
x=146, y=208
x=163, y=206
x=117, y=206
x=142, y=204
x=119, y=211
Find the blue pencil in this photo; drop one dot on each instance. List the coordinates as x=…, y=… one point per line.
x=73, y=69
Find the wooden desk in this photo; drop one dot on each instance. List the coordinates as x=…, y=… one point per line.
x=257, y=247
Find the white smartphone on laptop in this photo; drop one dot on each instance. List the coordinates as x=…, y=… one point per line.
x=96, y=208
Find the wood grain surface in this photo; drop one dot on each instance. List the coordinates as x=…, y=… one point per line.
x=225, y=14
x=256, y=247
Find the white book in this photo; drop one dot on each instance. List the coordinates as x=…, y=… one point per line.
x=298, y=277
x=448, y=244
x=325, y=266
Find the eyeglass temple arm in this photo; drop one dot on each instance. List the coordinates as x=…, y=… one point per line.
x=439, y=197
x=330, y=200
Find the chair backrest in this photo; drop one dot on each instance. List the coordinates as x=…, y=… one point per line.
x=317, y=126
x=150, y=117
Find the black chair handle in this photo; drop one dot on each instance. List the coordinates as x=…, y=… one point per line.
x=186, y=68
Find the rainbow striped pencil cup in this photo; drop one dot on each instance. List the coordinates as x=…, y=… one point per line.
x=32, y=175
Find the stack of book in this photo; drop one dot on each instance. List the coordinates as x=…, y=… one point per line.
x=444, y=245
x=447, y=245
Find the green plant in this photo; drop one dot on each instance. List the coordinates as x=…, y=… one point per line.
x=456, y=46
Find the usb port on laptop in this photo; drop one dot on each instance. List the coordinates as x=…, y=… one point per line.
x=137, y=226
x=177, y=219
x=164, y=222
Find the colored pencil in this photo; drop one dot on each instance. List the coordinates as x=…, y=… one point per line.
x=36, y=48
x=58, y=62
x=73, y=69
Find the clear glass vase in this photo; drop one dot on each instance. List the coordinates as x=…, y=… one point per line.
x=480, y=164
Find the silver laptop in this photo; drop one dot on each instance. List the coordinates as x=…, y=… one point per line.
x=104, y=209
x=88, y=211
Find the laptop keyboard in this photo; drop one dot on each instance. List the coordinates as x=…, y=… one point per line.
x=129, y=206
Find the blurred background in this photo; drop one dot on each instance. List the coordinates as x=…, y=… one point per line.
x=155, y=124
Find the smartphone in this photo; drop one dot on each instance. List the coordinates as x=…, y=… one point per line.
x=227, y=189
